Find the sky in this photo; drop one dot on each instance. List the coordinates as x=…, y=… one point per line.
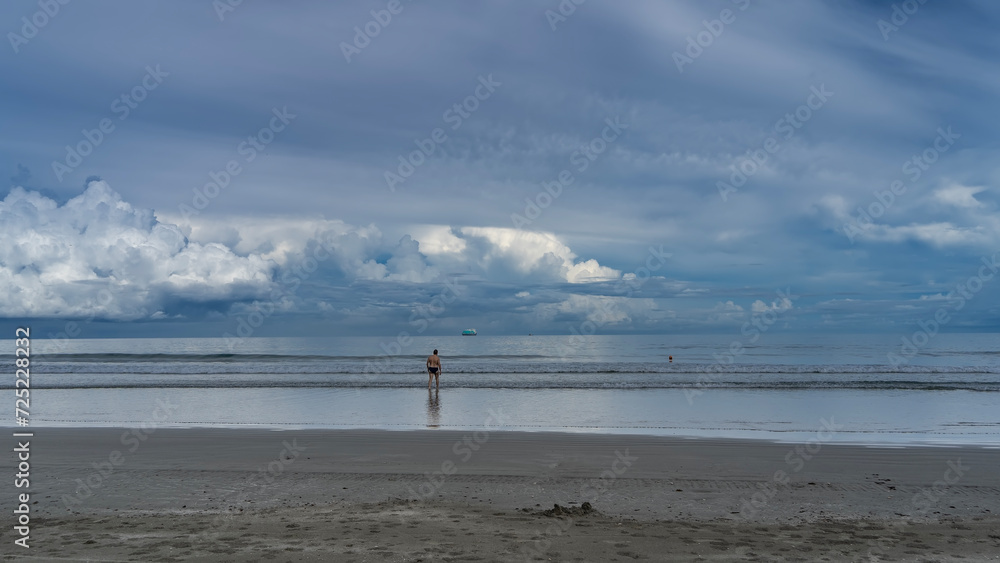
x=200, y=168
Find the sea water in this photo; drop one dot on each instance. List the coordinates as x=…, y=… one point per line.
x=784, y=387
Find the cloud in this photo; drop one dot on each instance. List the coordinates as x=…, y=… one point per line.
x=321, y=183
x=947, y=217
x=728, y=306
x=423, y=255
x=355, y=252
x=959, y=196
x=98, y=256
x=531, y=254
x=937, y=234
x=780, y=305
x=607, y=312
x=437, y=239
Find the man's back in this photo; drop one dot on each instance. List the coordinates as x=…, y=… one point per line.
x=433, y=368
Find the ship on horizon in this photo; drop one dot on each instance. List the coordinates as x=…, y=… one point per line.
x=469, y=332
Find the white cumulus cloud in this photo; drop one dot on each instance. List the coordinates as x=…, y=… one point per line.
x=98, y=256
x=530, y=253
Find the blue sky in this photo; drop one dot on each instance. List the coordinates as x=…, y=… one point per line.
x=182, y=168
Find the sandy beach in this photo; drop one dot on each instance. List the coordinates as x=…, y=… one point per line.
x=335, y=495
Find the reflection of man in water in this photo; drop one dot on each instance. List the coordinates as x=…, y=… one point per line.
x=433, y=369
x=433, y=409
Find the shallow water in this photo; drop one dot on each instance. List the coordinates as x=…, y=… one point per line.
x=780, y=389
x=798, y=415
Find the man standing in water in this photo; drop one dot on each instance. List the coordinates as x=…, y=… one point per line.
x=433, y=369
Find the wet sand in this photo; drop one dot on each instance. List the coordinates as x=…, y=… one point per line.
x=367, y=495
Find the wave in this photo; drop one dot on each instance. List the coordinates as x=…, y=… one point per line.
x=499, y=381
x=486, y=371
x=117, y=357
x=483, y=365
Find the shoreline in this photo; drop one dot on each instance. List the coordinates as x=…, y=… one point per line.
x=599, y=433
x=753, y=436
x=863, y=417
x=410, y=490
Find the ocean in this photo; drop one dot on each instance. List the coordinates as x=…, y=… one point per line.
x=784, y=387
